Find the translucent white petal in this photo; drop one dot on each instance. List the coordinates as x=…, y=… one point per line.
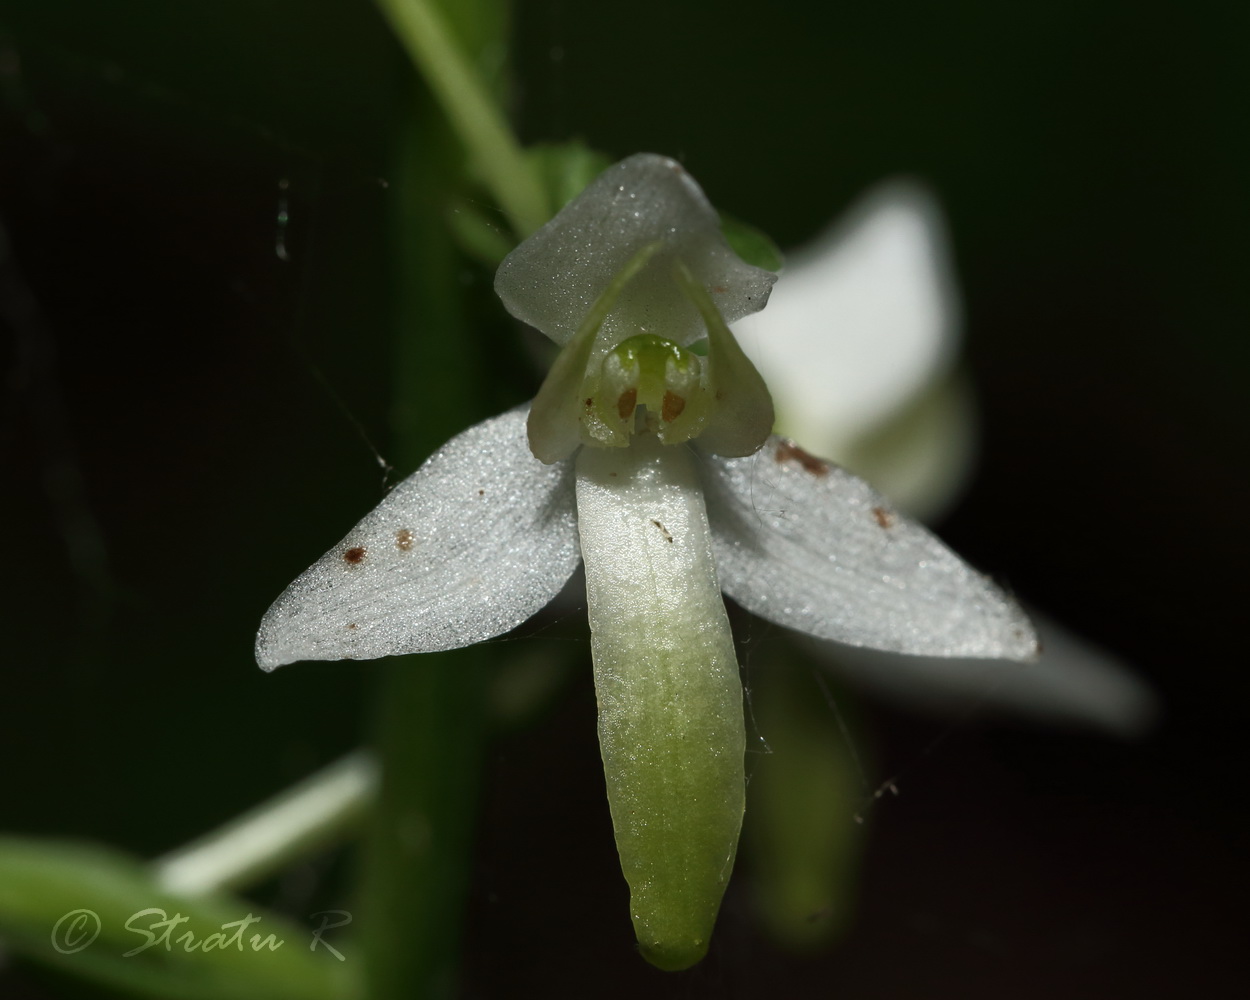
x=859, y=321
x=477, y=540
x=1072, y=682
x=810, y=546
x=743, y=415
x=555, y=421
x=666, y=676
x=552, y=279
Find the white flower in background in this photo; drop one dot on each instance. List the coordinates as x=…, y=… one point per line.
x=861, y=337
x=859, y=346
x=655, y=466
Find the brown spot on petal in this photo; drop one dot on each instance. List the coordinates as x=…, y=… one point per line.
x=883, y=516
x=352, y=627
x=663, y=531
x=625, y=405
x=481, y=493
x=672, y=406
x=589, y=403
x=355, y=556
x=403, y=539
x=788, y=451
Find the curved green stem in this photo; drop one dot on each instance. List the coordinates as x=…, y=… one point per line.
x=299, y=820
x=474, y=115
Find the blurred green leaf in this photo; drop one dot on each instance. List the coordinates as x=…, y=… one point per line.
x=565, y=168
x=100, y=915
x=477, y=235
x=751, y=244
x=802, y=826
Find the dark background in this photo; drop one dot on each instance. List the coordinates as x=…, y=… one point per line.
x=186, y=413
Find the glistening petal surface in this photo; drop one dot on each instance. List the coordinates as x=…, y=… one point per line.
x=552, y=279
x=807, y=545
x=476, y=541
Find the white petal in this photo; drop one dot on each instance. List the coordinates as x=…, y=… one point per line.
x=812, y=547
x=859, y=321
x=1072, y=682
x=552, y=279
x=670, y=700
x=743, y=415
x=477, y=540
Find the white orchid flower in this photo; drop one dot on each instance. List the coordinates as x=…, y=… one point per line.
x=653, y=463
x=862, y=334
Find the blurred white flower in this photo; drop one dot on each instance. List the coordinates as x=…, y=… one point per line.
x=870, y=311
x=859, y=346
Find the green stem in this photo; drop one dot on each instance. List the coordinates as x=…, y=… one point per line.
x=473, y=114
x=430, y=727
x=304, y=818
